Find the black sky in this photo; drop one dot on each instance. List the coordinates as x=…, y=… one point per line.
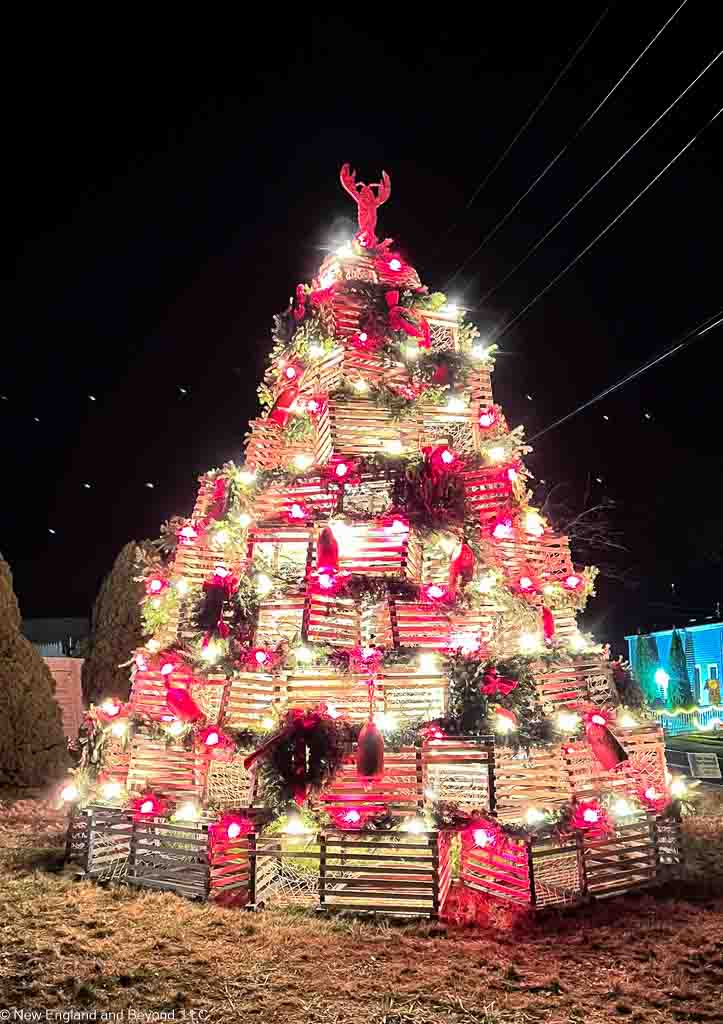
x=168, y=185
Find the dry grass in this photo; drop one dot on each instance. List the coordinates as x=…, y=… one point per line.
x=68, y=944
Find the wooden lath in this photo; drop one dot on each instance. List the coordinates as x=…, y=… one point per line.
x=361, y=427
x=248, y=699
x=375, y=872
x=419, y=625
x=332, y=620
x=169, y=770
x=562, y=687
x=523, y=780
x=459, y=769
x=348, y=693
x=625, y=860
x=398, y=791
x=281, y=619
x=411, y=694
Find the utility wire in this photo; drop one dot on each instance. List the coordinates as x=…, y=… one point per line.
x=595, y=184
x=493, y=231
x=529, y=120
x=506, y=326
x=687, y=339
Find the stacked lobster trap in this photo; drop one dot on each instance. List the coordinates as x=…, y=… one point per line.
x=377, y=546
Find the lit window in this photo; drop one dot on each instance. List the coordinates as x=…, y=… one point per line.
x=713, y=671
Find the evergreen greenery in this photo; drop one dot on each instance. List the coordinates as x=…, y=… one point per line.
x=33, y=750
x=680, y=694
x=647, y=662
x=116, y=628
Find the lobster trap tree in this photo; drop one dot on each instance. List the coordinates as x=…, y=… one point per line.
x=33, y=750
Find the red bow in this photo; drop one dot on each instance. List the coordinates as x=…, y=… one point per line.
x=399, y=320
x=493, y=683
x=322, y=295
x=300, y=304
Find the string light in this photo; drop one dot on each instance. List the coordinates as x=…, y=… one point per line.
x=245, y=520
x=529, y=643
x=385, y=721
x=478, y=352
x=415, y=826
x=264, y=584
x=69, y=793
x=267, y=723
x=316, y=351
x=294, y=826
x=188, y=811
x=626, y=720
x=456, y=404
x=428, y=663
x=393, y=446
x=360, y=385
x=210, y=653
x=175, y=728
x=246, y=477
x=533, y=816
x=568, y=721
x=303, y=460
x=622, y=808
x=119, y=729
x=497, y=454
x=111, y=790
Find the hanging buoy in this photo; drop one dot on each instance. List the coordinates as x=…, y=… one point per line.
x=370, y=752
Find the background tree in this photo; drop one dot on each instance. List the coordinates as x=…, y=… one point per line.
x=115, y=627
x=33, y=748
x=680, y=693
x=647, y=662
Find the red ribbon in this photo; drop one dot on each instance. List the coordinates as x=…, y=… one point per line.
x=493, y=683
x=399, y=320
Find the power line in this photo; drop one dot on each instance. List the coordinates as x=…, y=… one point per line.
x=505, y=327
x=595, y=184
x=493, y=231
x=530, y=119
x=687, y=339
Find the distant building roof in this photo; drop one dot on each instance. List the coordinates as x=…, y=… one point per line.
x=687, y=629
x=48, y=631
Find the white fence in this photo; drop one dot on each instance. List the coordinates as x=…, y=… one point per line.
x=700, y=719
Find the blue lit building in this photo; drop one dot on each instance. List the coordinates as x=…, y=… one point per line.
x=703, y=646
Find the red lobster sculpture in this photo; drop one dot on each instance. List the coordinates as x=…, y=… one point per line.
x=367, y=202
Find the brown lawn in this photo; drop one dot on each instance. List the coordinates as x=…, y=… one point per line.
x=68, y=944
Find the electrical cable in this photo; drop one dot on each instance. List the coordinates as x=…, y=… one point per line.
x=686, y=339
x=601, y=234
x=529, y=120
x=595, y=184
x=490, y=234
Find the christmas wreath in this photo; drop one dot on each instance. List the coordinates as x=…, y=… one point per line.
x=302, y=757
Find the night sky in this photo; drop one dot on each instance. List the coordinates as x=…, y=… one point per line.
x=168, y=186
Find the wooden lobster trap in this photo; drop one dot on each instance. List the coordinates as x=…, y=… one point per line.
x=362, y=427
x=564, y=687
x=533, y=873
x=631, y=857
x=285, y=870
x=398, y=791
x=645, y=747
x=230, y=785
x=99, y=841
x=461, y=770
x=417, y=624
x=248, y=698
x=526, y=779
x=168, y=769
x=413, y=693
x=398, y=873
x=346, y=693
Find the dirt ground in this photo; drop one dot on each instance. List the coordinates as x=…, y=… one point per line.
x=67, y=944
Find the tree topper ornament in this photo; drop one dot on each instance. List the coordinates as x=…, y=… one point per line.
x=367, y=202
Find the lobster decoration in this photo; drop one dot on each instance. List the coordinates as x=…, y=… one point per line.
x=367, y=202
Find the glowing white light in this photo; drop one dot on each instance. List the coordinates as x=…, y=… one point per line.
x=221, y=537
x=627, y=721
x=414, y=825
x=428, y=663
x=622, y=808
x=345, y=250
x=261, y=657
x=332, y=711
x=295, y=826
x=481, y=838
x=411, y=351
x=264, y=585
x=430, y=794
x=327, y=279
x=486, y=584
x=187, y=811
x=503, y=725
x=398, y=526
x=316, y=351
x=451, y=308
x=303, y=460
x=395, y=264
x=528, y=643
x=246, y=477
x=110, y=707
x=154, y=646
x=678, y=788
x=155, y=602
x=590, y=816
x=478, y=352
x=344, y=534
x=497, y=454
x=111, y=790
x=448, y=543
x=210, y=653
x=393, y=446
x=297, y=512
x=233, y=830
x=146, y=807
x=360, y=385
x=661, y=677
x=447, y=457
x=245, y=520
x=435, y=592
x=182, y=586
x=456, y=404
x=342, y=469
x=69, y=793
x=533, y=816
x=175, y=728
x=549, y=588
x=212, y=739
x=326, y=580
x=534, y=524
x=303, y=654
x=267, y=723
x=577, y=642
x=119, y=729
x=567, y=721
x=385, y=721
x=155, y=586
